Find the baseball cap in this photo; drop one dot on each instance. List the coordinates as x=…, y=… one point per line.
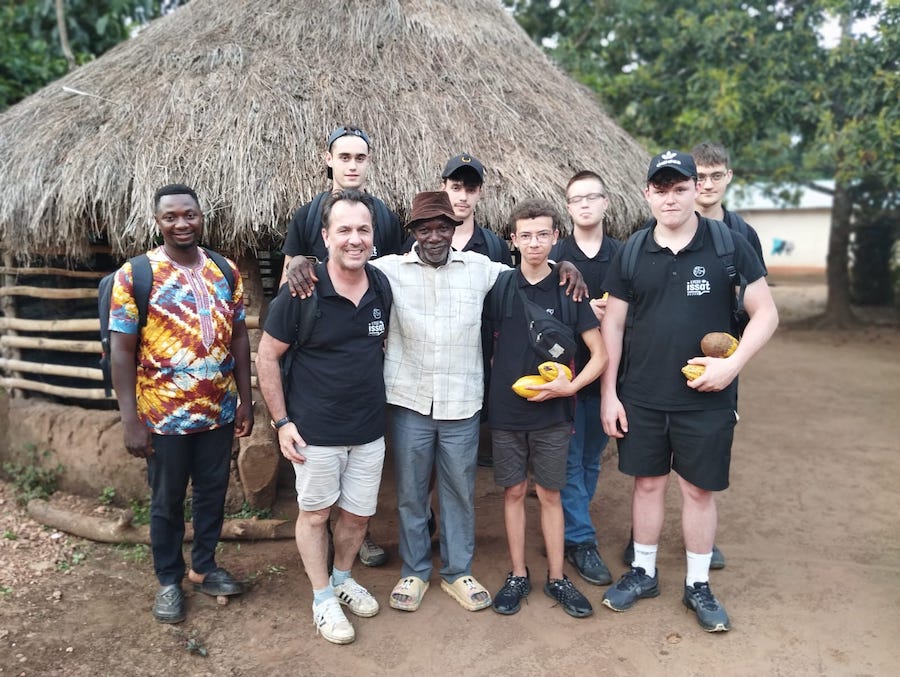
x=463, y=160
x=673, y=159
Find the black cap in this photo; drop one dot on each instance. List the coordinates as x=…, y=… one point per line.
x=673, y=159
x=463, y=160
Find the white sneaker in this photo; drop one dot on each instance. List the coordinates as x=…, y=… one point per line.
x=331, y=622
x=356, y=597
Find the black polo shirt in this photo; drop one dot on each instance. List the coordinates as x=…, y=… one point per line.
x=675, y=299
x=514, y=357
x=388, y=237
x=336, y=386
x=593, y=268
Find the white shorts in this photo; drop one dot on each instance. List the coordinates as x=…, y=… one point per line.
x=348, y=477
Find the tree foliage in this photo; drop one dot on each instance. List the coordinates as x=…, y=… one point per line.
x=756, y=76
x=29, y=38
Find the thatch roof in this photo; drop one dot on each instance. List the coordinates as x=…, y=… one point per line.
x=236, y=97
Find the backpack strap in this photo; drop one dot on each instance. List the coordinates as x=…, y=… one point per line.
x=630, y=252
x=142, y=284
x=495, y=253
x=723, y=242
x=223, y=266
x=313, y=223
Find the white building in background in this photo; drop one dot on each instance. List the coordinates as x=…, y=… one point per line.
x=794, y=238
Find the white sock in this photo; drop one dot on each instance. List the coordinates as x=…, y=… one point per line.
x=697, y=568
x=645, y=558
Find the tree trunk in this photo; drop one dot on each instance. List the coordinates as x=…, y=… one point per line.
x=64, y=35
x=837, y=308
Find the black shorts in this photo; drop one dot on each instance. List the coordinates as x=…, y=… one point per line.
x=546, y=448
x=695, y=444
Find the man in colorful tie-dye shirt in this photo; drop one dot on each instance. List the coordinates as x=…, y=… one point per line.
x=183, y=386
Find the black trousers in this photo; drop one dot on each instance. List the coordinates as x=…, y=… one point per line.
x=203, y=458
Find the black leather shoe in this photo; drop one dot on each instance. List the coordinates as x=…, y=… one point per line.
x=169, y=604
x=219, y=582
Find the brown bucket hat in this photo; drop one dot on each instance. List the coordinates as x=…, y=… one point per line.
x=432, y=204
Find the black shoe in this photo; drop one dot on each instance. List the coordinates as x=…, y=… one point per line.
x=718, y=559
x=169, y=604
x=486, y=461
x=567, y=596
x=710, y=614
x=635, y=584
x=509, y=600
x=587, y=562
x=219, y=582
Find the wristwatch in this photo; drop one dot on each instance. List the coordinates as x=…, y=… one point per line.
x=280, y=423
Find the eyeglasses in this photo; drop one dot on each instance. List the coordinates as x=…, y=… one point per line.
x=715, y=177
x=590, y=197
x=542, y=238
x=347, y=131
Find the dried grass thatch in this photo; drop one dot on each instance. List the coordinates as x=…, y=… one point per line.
x=236, y=97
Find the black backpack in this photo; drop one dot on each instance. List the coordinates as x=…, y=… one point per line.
x=723, y=242
x=551, y=338
x=309, y=313
x=313, y=224
x=494, y=245
x=142, y=276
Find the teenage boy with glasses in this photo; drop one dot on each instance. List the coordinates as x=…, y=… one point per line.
x=591, y=251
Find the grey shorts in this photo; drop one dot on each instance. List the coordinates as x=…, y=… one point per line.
x=348, y=477
x=546, y=449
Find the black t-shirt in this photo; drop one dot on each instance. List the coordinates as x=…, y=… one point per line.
x=297, y=241
x=675, y=299
x=514, y=357
x=336, y=390
x=593, y=268
x=732, y=219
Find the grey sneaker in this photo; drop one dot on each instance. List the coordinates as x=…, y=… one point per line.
x=371, y=554
x=356, y=597
x=331, y=622
x=710, y=614
x=587, y=562
x=635, y=584
x=169, y=604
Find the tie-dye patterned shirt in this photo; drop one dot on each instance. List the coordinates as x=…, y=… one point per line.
x=185, y=380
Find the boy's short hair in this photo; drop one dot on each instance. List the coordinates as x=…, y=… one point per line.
x=173, y=189
x=587, y=174
x=710, y=154
x=532, y=209
x=668, y=177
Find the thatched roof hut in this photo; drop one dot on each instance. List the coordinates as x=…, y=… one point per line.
x=236, y=98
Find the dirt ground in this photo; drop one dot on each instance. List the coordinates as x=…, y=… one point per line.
x=809, y=526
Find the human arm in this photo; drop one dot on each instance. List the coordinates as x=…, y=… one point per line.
x=268, y=373
x=720, y=372
x=123, y=351
x=240, y=350
x=570, y=276
x=562, y=386
x=599, y=307
x=300, y=274
x=612, y=330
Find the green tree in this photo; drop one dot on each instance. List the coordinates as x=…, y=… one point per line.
x=30, y=37
x=756, y=76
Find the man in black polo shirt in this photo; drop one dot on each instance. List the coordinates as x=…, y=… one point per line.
x=591, y=250
x=537, y=429
x=654, y=322
x=348, y=157
x=331, y=426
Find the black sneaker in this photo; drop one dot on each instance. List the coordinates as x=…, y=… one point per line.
x=718, y=559
x=509, y=600
x=635, y=584
x=587, y=562
x=169, y=604
x=567, y=596
x=710, y=614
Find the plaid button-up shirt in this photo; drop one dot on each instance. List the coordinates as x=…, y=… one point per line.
x=433, y=361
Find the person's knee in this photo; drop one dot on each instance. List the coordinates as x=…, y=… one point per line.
x=696, y=495
x=353, y=520
x=548, y=497
x=314, y=519
x=516, y=492
x=647, y=486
